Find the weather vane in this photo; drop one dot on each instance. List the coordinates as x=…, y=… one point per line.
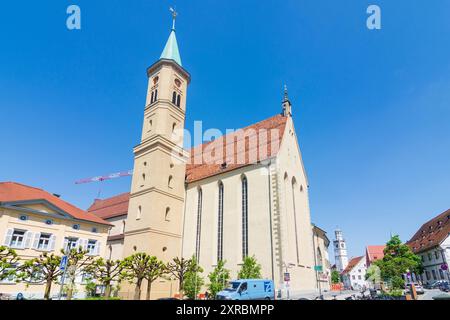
x=174, y=17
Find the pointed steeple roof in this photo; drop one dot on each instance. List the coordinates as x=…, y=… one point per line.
x=171, y=51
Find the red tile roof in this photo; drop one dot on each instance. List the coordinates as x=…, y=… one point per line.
x=353, y=262
x=241, y=149
x=118, y=205
x=431, y=233
x=374, y=253
x=12, y=192
x=112, y=207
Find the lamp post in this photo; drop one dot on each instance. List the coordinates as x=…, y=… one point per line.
x=287, y=267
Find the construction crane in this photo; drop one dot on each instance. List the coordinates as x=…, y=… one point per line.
x=105, y=177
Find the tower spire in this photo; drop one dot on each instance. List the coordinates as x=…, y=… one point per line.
x=287, y=111
x=171, y=51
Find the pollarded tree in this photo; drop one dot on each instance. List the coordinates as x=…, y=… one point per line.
x=155, y=269
x=78, y=261
x=398, y=260
x=44, y=269
x=178, y=268
x=106, y=272
x=8, y=260
x=218, y=279
x=250, y=269
x=136, y=269
x=193, y=280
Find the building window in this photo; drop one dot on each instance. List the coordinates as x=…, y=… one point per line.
x=70, y=243
x=220, y=224
x=441, y=274
x=294, y=187
x=430, y=257
x=353, y=277
x=92, y=247
x=94, y=230
x=427, y=274
x=169, y=183
x=359, y=277
x=17, y=239
x=174, y=97
x=199, y=224
x=139, y=212
x=244, y=218
x=167, y=216
x=76, y=227
x=436, y=254
x=178, y=100
x=49, y=222
x=156, y=94
x=44, y=241
x=433, y=272
x=23, y=218
x=151, y=99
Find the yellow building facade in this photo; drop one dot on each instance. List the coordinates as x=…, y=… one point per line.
x=33, y=221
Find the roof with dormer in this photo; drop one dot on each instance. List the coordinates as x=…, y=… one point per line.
x=431, y=233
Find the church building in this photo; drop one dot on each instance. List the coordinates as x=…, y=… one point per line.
x=242, y=194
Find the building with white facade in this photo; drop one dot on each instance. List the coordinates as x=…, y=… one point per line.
x=354, y=275
x=432, y=243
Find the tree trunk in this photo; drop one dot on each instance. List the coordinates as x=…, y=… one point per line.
x=149, y=289
x=48, y=287
x=137, y=290
x=107, y=290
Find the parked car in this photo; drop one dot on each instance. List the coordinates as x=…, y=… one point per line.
x=436, y=284
x=444, y=287
x=248, y=289
x=419, y=288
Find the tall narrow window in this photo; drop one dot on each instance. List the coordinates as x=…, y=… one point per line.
x=178, y=100
x=244, y=218
x=199, y=224
x=174, y=97
x=139, y=212
x=156, y=94
x=152, y=98
x=220, y=224
x=294, y=187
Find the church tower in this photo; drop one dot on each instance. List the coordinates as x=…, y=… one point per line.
x=155, y=212
x=340, y=251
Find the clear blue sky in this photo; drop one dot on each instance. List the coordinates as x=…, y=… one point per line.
x=371, y=108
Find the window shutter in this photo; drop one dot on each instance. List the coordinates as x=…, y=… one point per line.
x=65, y=244
x=97, y=248
x=51, y=245
x=28, y=236
x=8, y=237
x=37, y=235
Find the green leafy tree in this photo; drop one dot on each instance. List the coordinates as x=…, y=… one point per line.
x=106, y=272
x=90, y=288
x=155, y=269
x=8, y=258
x=193, y=280
x=218, y=279
x=78, y=261
x=398, y=260
x=178, y=268
x=335, y=277
x=250, y=269
x=136, y=270
x=44, y=269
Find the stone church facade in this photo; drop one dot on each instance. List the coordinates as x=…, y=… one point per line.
x=243, y=194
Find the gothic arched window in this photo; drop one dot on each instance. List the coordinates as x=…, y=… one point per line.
x=174, y=97
x=220, y=224
x=178, y=100
x=294, y=187
x=199, y=224
x=156, y=94
x=244, y=217
x=151, y=99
